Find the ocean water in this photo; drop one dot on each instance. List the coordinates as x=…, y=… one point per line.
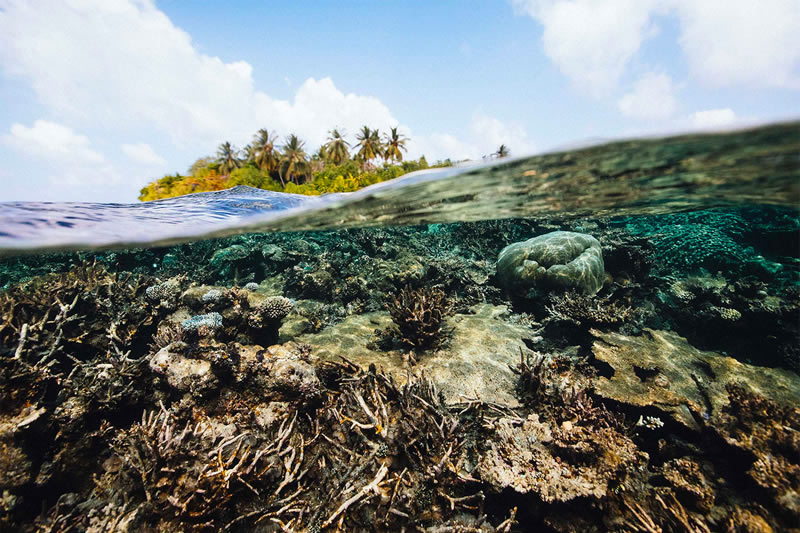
x=630, y=384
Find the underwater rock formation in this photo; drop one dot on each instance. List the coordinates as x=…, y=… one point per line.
x=183, y=373
x=557, y=463
x=560, y=259
x=114, y=417
x=660, y=369
x=476, y=362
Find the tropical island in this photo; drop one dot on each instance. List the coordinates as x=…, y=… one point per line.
x=337, y=166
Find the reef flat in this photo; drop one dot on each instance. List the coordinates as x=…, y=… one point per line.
x=394, y=379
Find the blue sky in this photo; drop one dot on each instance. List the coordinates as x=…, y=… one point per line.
x=102, y=96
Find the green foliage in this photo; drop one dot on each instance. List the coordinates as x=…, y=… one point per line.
x=252, y=177
x=289, y=168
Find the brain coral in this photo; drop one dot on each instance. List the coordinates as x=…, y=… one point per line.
x=560, y=259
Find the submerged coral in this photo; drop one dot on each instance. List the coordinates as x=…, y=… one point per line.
x=561, y=259
x=130, y=402
x=418, y=315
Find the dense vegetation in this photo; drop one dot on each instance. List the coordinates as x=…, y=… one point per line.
x=337, y=166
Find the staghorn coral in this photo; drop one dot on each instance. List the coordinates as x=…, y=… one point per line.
x=418, y=316
x=572, y=306
x=769, y=433
x=690, y=483
x=191, y=472
x=557, y=464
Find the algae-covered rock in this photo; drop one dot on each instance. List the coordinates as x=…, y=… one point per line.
x=474, y=363
x=560, y=259
x=661, y=369
x=282, y=372
x=558, y=464
x=183, y=373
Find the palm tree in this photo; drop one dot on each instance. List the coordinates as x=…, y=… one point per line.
x=317, y=162
x=369, y=141
x=395, y=142
x=228, y=158
x=249, y=153
x=265, y=156
x=376, y=141
x=501, y=152
x=336, y=149
x=294, y=161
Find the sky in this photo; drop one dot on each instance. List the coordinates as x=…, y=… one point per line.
x=100, y=97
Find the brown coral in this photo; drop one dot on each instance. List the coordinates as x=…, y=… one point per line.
x=418, y=316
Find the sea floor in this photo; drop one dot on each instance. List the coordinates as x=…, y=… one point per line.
x=386, y=380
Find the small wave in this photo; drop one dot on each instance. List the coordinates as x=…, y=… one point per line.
x=633, y=177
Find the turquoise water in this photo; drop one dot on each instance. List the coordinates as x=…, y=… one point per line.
x=642, y=378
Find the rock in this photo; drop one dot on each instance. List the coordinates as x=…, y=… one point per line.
x=15, y=466
x=560, y=259
x=282, y=372
x=556, y=465
x=661, y=369
x=183, y=373
x=473, y=362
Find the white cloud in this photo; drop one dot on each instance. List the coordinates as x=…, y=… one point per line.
x=143, y=153
x=730, y=42
x=50, y=140
x=319, y=106
x=68, y=154
x=652, y=97
x=487, y=134
x=105, y=62
x=591, y=41
x=100, y=62
x=713, y=118
x=726, y=42
x=97, y=64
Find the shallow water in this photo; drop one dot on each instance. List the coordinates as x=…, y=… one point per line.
x=676, y=381
x=636, y=177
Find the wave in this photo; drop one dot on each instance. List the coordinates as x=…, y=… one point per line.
x=623, y=178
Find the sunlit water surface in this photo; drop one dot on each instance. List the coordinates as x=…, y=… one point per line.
x=634, y=177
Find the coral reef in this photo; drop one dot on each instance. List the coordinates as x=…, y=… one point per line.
x=143, y=390
x=210, y=321
x=571, y=306
x=660, y=369
x=418, y=316
x=559, y=259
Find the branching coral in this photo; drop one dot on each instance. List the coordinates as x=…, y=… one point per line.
x=418, y=316
x=191, y=472
x=590, y=311
x=265, y=321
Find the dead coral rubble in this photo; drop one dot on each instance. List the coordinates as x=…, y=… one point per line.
x=115, y=418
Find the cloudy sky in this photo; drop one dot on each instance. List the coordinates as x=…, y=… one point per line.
x=99, y=97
